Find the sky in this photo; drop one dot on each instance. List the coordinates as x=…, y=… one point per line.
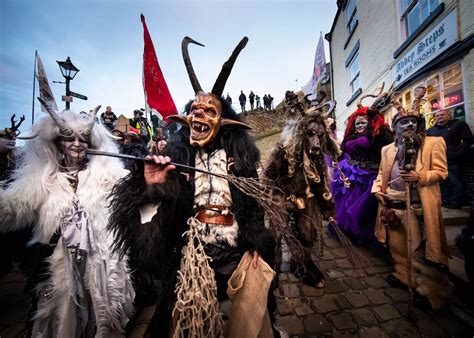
x=104, y=39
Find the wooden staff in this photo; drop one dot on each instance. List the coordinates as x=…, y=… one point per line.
x=136, y=158
x=411, y=312
x=408, y=163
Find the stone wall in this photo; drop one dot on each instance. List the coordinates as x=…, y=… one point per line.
x=264, y=122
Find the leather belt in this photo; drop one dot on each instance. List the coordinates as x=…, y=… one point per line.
x=212, y=214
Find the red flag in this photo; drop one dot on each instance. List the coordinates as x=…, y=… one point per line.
x=157, y=96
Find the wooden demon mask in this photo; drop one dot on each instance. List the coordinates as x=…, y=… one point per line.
x=205, y=116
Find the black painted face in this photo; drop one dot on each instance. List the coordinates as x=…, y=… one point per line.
x=406, y=127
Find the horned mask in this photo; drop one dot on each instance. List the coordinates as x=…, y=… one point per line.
x=205, y=116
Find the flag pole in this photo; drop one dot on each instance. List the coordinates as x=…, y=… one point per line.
x=34, y=83
x=147, y=107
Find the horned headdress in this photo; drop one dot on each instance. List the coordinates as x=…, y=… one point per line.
x=13, y=131
x=372, y=112
x=381, y=98
x=68, y=124
x=206, y=112
x=225, y=71
x=415, y=109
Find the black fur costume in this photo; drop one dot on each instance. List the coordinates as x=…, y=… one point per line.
x=156, y=245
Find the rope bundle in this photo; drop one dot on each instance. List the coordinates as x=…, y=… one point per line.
x=196, y=307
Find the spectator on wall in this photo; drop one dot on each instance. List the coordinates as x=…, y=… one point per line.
x=242, y=100
x=108, y=118
x=270, y=102
x=257, y=101
x=228, y=99
x=251, y=99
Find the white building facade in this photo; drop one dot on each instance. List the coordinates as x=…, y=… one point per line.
x=412, y=42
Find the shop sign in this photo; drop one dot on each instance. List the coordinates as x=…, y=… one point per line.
x=439, y=39
x=448, y=101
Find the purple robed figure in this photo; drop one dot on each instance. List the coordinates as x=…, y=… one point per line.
x=366, y=133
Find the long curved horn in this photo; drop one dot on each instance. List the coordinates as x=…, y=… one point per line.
x=65, y=130
x=227, y=68
x=396, y=103
x=88, y=129
x=112, y=136
x=28, y=137
x=93, y=114
x=332, y=105
x=391, y=87
x=359, y=104
x=187, y=61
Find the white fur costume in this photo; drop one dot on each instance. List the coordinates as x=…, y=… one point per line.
x=214, y=190
x=40, y=194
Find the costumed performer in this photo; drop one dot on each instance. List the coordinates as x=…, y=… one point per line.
x=81, y=288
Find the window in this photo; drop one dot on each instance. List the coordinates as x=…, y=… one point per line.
x=414, y=12
x=444, y=90
x=354, y=73
x=350, y=12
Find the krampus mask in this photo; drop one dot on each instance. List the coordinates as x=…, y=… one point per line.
x=205, y=116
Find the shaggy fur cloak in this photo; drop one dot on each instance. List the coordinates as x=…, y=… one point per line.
x=157, y=244
x=40, y=194
x=287, y=170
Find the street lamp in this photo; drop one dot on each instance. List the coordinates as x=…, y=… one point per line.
x=69, y=71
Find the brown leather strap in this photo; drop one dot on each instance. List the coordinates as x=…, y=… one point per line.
x=212, y=207
x=212, y=217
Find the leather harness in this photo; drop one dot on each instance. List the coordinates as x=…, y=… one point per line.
x=215, y=214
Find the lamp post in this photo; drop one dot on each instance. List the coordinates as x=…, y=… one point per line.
x=69, y=71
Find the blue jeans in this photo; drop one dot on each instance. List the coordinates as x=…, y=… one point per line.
x=452, y=188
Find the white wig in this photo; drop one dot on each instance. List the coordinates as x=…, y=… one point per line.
x=39, y=162
x=41, y=155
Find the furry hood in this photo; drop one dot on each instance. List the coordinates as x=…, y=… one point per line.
x=40, y=193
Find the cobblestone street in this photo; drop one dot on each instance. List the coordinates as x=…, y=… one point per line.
x=352, y=304
x=355, y=303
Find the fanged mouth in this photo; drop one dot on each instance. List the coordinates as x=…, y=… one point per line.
x=199, y=130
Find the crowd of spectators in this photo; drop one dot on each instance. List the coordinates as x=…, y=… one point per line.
x=254, y=100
